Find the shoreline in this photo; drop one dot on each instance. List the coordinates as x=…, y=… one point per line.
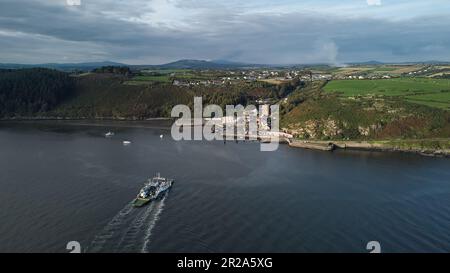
x=320, y=145
x=80, y=119
x=103, y=122
x=376, y=146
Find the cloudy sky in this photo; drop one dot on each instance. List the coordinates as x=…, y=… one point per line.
x=253, y=31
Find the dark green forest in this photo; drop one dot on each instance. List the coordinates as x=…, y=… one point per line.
x=28, y=92
x=124, y=70
x=39, y=92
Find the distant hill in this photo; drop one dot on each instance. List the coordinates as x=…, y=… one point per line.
x=372, y=62
x=181, y=64
x=201, y=64
x=191, y=64
x=63, y=66
x=185, y=64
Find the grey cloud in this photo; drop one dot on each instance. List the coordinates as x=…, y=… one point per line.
x=100, y=30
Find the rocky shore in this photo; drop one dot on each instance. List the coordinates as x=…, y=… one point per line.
x=368, y=146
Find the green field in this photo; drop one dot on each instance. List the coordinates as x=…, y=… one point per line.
x=165, y=76
x=431, y=92
x=384, y=69
x=439, y=100
x=165, y=71
x=162, y=78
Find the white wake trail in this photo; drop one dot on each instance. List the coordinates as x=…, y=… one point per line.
x=152, y=223
x=110, y=229
x=131, y=233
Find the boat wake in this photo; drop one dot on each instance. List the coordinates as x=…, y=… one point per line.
x=110, y=229
x=152, y=223
x=130, y=230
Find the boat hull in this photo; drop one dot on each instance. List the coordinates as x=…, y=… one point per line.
x=140, y=202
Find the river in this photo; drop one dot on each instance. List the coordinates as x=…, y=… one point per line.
x=64, y=181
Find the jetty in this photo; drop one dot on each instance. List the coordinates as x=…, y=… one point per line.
x=323, y=146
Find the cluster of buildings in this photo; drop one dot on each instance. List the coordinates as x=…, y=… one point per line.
x=236, y=76
x=197, y=82
x=249, y=116
x=285, y=75
x=412, y=73
x=361, y=77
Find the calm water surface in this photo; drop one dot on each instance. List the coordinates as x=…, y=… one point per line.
x=61, y=182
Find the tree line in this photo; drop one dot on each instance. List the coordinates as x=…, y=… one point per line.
x=26, y=92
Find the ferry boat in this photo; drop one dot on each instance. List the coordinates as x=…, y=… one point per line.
x=153, y=189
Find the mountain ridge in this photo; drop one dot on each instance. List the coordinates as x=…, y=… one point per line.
x=185, y=64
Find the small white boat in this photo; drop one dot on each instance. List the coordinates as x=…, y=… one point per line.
x=161, y=136
x=109, y=134
x=126, y=142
